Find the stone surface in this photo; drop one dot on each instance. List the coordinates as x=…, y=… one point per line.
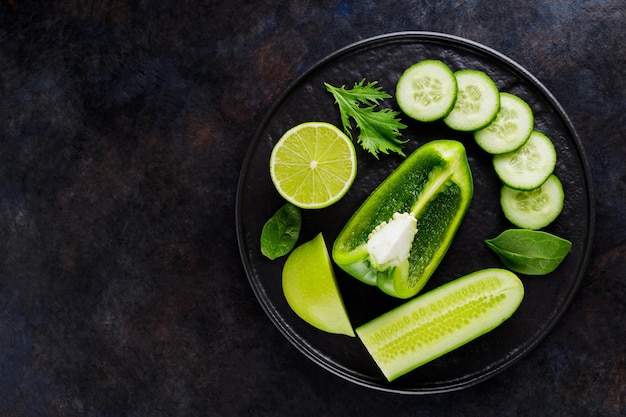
x=123, y=129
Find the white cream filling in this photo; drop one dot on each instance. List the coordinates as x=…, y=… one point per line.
x=390, y=243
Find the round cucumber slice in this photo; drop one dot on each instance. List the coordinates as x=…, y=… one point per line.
x=427, y=91
x=439, y=321
x=510, y=129
x=533, y=209
x=477, y=101
x=529, y=166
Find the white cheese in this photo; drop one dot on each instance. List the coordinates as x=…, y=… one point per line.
x=389, y=244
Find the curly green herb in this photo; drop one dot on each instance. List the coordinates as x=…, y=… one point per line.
x=379, y=130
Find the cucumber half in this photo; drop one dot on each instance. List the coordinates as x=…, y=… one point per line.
x=441, y=320
x=510, y=129
x=529, y=166
x=533, y=209
x=477, y=101
x=426, y=91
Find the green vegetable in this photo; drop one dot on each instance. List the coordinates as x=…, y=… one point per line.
x=427, y=90
x=477, y=101
x=510, y=129
x=536, y=208
x=281, y=231
x=441, y=320
x=399, y=235
x=379, y=130
x=530, y=252
x=529, y=166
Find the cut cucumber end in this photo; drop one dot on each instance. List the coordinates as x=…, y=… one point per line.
x=510, y=129
x=441, y=320
x=427, y=91
x=533, y=209
x=529, y=166
x=477, y=101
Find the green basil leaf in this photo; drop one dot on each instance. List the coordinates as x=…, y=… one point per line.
x=281, y=231
x=530, y=252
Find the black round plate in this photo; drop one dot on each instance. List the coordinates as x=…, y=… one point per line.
x=383, y=59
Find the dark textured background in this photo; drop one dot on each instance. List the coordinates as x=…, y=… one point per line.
x=123, y=129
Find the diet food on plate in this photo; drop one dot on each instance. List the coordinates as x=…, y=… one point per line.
x=398, y=236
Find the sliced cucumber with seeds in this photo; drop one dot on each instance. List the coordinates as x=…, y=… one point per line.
x=441, y=320
x=533, y=209
x=510, y=129
x=427, y=91
x=529, y=166
x=477, y=101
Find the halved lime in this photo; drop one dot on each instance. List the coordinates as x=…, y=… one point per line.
x=313, y=165
x=311, y=290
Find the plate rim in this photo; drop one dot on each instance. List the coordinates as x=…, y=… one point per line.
x=279, y=322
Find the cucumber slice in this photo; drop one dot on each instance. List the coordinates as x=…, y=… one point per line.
x=529, y=166
x=533, y=209
x=477, y=101
x=426, y=91
x=441, y=320
x=510, y=129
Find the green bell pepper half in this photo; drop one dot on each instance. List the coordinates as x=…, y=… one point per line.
x=434, y=184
